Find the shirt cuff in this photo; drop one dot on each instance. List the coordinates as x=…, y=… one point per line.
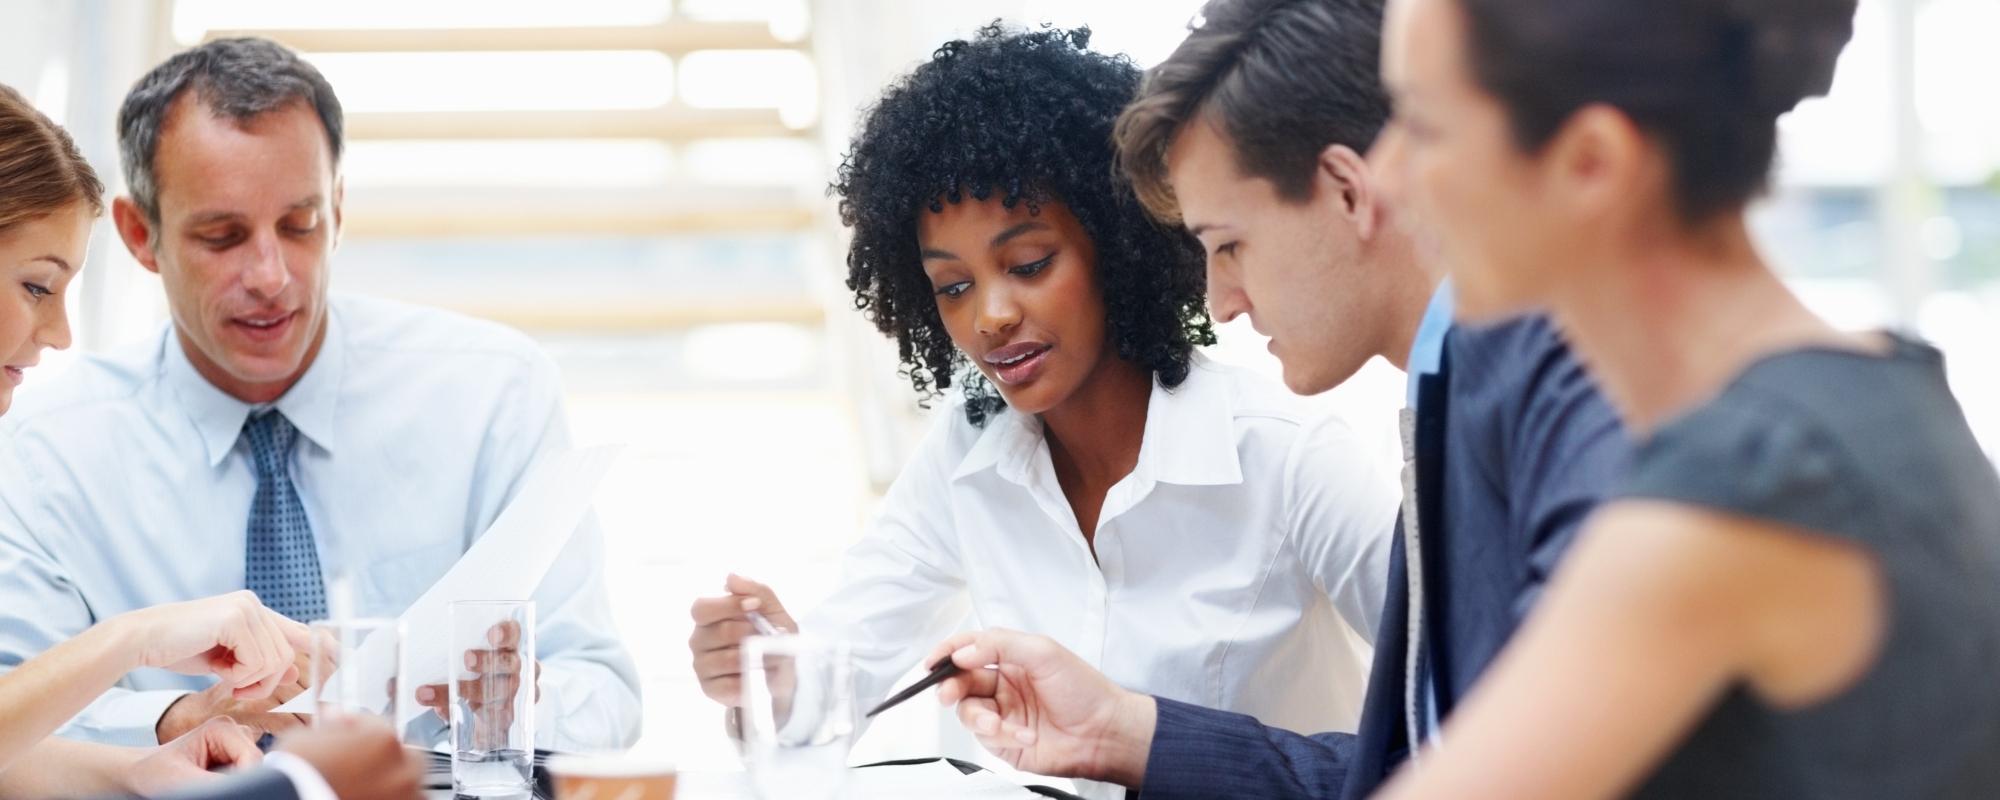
x=560, y=716
x=549, y=717
x=305, y=780
x=584, y=708
x=125, y=718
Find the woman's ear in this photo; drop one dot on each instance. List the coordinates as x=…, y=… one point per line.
x=1599, y=162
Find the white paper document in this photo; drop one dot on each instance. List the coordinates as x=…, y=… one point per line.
x=506, y=563
x=907, y=782
x=934, y=779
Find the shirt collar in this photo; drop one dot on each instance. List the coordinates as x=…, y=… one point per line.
x=1008, y=442
x=1427, y=351
x=309, y=405
x=1190, y=437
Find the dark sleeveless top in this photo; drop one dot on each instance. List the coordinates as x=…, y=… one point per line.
x=1869, y=449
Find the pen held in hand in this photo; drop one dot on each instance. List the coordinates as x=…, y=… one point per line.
x=940, y=671
x=763, y=626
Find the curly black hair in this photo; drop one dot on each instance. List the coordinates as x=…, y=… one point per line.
x=1027, y=115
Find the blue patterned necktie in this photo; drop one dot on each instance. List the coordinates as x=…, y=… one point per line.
x=281, y=566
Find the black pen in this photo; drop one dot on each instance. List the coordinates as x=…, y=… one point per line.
x=939, y=672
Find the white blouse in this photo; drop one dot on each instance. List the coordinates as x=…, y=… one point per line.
x=1235, y=564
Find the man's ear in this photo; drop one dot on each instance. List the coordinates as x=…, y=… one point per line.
x=1346, y=172
x=136, y=231
x=339, y=200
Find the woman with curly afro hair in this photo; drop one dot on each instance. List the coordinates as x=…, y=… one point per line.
x=1188, y=527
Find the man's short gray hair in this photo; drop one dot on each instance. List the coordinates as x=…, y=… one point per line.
x=235, y=78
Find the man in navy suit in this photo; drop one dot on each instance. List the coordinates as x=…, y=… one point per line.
x=1252, y=135
x=341, y=758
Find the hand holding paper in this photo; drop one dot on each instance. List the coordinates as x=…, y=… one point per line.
x=503, y=659
x=505, y=563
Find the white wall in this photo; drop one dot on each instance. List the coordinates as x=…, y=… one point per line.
x=75, y=59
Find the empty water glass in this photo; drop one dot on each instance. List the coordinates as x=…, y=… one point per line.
x=492, y=698
x=798, y=716
x=354, y=667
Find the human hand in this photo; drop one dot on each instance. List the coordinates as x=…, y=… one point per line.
x=189, y=758
x=721, y=624
x=251, y=649
x=1042, y=709
x=490, y=692
x=192, y=710
x=358, y=757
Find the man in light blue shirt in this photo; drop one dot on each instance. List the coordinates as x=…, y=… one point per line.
x=274, y=436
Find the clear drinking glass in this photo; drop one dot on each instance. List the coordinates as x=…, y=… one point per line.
x=354, y=667
x=492, y=697
x=798, y=716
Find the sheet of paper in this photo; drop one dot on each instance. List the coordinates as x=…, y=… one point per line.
x=935, y=779
x=915, y=782
x=506, y=563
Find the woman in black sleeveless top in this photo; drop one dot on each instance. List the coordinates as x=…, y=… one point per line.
x=1795, y=595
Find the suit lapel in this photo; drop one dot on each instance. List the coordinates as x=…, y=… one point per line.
x=1381, y=741
x=1424, y=481
x=1386, y=715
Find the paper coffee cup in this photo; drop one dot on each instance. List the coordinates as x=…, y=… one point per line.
x=612, y=778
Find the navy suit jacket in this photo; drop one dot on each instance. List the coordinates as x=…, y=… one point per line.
x=260, y=784
x=1515, y=446
x=255, y=784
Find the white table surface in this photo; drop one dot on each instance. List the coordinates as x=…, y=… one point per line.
x=873, y=783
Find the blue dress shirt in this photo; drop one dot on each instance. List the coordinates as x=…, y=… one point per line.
x=125, y=483
x=1427, y=350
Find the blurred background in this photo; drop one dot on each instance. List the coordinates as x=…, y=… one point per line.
x=641, y=186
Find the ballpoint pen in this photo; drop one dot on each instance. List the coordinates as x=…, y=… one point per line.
x=940, y=671
x=763, y=626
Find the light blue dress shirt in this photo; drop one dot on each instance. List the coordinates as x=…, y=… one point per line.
x=125, y=483
x=1427, y=350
